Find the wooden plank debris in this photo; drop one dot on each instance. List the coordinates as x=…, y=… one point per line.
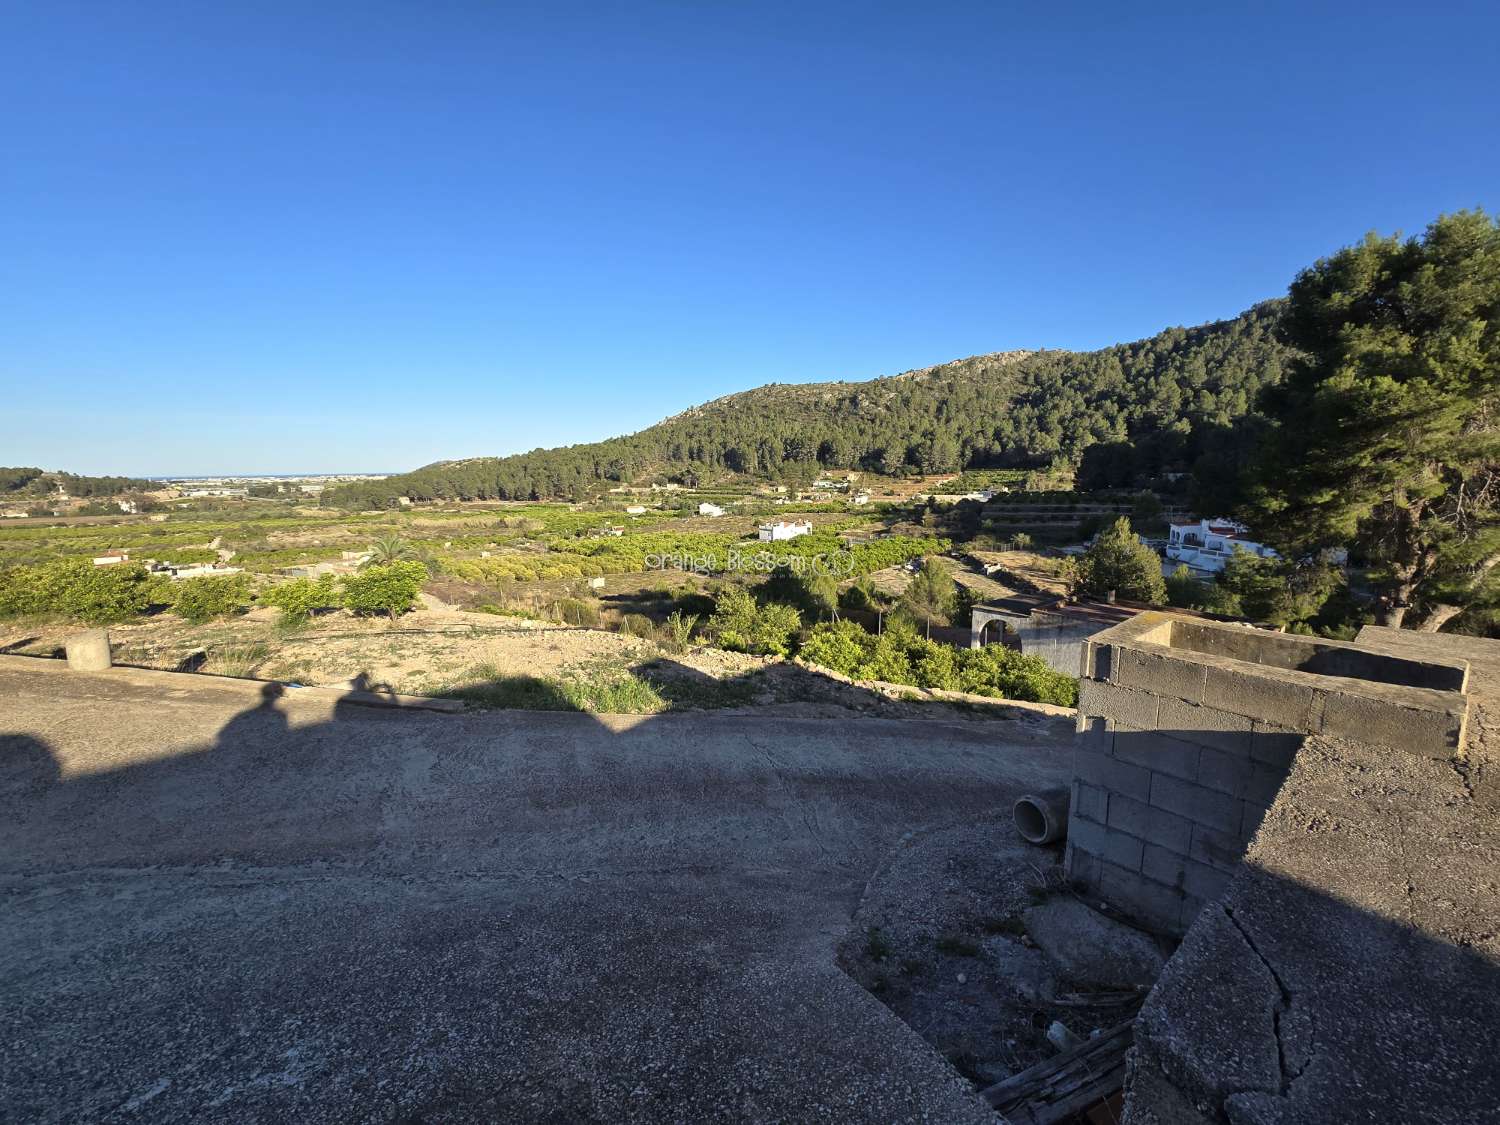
x=1067, y=1084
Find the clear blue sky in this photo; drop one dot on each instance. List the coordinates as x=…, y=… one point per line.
x=293, y=236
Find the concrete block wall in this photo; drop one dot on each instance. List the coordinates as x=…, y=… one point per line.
x=1186, y=735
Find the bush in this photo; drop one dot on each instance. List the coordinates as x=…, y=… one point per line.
x=739, y=624
x=678, y=631
x=98, y=595
x=999, y=671
x=1185, y=590
x=937, y=667
x=200, y=600
x=888, y=660
x=859, y=596
x=637, y=625
x=385, y=589
x=300, y=598
x=841, y=646
x=577, y=611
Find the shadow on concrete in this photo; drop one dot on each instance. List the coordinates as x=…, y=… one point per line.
x=1310, y=997
x=483, y=917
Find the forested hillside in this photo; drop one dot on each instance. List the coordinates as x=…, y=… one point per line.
x=1155, y=405
x=16, y=482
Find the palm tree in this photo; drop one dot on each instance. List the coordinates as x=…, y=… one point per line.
x=388, y=549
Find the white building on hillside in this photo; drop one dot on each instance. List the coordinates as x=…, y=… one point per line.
x=1206, y=546
x=706, y=509
x=781, y=529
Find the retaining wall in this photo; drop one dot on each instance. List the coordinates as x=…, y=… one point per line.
x=1187, y=729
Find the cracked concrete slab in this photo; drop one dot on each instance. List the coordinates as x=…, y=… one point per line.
x=219, y=907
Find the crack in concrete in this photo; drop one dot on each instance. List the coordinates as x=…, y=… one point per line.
x=1285, y=1075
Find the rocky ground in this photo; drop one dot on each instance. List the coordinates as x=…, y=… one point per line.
x=971, y=936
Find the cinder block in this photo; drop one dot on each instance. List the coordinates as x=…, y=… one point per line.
x=1114, y=847
x=1264, y=783
x=1228, y=773
x=1213, y=848
x=1093, y=733
x=1274, y=745
x=1250, y=818
x=1207, y=883
x=1154, y=826
x=1112, y=774
x=1095, y=661
x=1158, y=672
x=1207, y=726
x=1265, y=697
x=1202, y=806
x=1082, y=867
x=1162, y=865
x=1158, y=752
x=1191, y=908
x=1434, y=732
x=1133, y=708
x=1196, y=879
x=1090, y=802
x=1156, y=905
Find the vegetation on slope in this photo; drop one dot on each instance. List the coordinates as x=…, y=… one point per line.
x=20, y=482
x=1175, y=395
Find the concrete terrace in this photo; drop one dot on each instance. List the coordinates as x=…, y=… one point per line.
x=220, y=906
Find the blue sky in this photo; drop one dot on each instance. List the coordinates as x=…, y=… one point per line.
x=289, y=236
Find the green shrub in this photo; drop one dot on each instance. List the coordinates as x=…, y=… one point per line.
x=739, y=624
x=1185, y=590
x=98, y=595
x=388, y=589
x=199, y=600
x=999, y=671
x=300, y=598
x=577, y=611
x=678, y=630
x=888, y=660
x=937, y=667
x=858, y=597
x=637, y=625
x=841, y=646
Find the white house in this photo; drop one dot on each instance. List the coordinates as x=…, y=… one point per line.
x=860, y=498
x=111, y=557
x=781, y=529
x=1206, y=546
x=706, y=509
x=200, y=570
x=636, y=510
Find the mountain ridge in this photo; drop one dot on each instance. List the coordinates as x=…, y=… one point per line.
x=1161, y=396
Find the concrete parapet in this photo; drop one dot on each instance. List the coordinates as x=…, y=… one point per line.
x=1187, y=730
x=88, y=651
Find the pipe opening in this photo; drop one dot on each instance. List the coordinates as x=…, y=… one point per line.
x=1042, y=819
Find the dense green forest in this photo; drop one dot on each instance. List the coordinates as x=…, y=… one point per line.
x=1128, y=412
x=20, y=482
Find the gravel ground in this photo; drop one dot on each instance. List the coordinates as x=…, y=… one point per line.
x=221, y=906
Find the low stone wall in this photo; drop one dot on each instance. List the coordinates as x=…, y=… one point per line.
x=1187, y=730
